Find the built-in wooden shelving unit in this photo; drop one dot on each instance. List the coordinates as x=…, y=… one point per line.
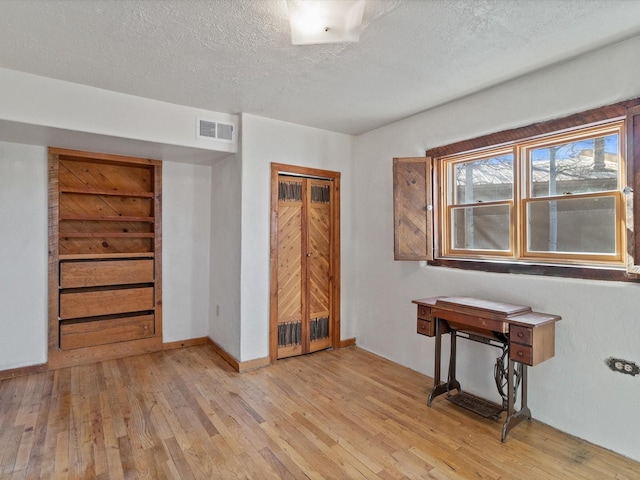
x=105, y=295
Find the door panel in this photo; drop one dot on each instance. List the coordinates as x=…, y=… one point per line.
x=303, y=265
x=289, y=268
x=319, y=252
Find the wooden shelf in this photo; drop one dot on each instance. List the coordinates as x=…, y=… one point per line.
x=114, y=218
x=105, y=244
x=104, y=256
x=116, y=193
x=106, y=235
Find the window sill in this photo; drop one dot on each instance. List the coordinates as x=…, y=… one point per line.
x=587, y=273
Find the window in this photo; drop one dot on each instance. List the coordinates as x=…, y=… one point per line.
x=558, y=198
x=479, y=206
x=555, y=199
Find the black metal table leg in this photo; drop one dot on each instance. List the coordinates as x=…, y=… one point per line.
x=451, y=384
x=515, y=417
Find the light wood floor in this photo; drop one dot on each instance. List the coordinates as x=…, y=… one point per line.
x=336, y=415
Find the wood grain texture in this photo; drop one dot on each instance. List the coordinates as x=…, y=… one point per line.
x=105, y=208
x=305, y=259
x=79, y=206
x=633, y=180
x=319, y=256
x=189, y=342
x=587, y=117
x=82, y=356
x=289, y=264
x=105, y=302
x=52, y=261
x=102, y=332
x=412, y=209
x=103, y=157
x=116, y=272
x=347, y=342
x=20, y=371
x=338, y=414
x=157, y=247
x=336, y=285
x=237, y=365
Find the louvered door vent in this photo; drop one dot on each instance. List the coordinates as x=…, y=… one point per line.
x=218, y=131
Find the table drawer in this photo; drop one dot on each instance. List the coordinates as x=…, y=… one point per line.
x=424, y=313
x=106, y=272
x=426, y=327
x=105, y=302
x=101, y=332
x=462, y=321
x=521, y=335
x=521, y=353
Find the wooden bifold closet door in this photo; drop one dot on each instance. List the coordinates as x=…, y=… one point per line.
x=303, y=231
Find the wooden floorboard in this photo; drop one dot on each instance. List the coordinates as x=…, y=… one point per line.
x=186, y=414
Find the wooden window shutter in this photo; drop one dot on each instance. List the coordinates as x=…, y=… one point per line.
x=412, y=208
x=633, y=192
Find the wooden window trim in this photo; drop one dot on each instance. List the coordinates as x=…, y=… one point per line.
x=451, y=204
x=588, y=117
x=629, y=109
x=633, y=181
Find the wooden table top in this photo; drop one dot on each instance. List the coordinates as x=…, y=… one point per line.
x=516, y=314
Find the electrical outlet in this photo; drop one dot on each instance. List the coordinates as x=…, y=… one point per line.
x=623, y=366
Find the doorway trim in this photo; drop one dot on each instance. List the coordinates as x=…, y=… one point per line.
x=279, y=169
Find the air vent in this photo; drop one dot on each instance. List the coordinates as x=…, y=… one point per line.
x=225, y=132
x=218, y=131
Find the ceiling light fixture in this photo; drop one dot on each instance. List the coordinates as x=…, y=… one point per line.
x=325, y=21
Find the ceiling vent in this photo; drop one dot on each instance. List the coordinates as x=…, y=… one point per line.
x=214, y=130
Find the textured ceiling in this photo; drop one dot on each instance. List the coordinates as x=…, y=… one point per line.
x=235, y=56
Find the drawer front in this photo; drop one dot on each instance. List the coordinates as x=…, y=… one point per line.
x=521, y=353
x=521, y=335
x=475, y=323
x=108, y=272
x=425, y=327
x=105, y=302
x=424, y=313
x=102, y=332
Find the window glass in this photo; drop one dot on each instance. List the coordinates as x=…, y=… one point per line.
x=481, y=228
x=486, y=180
x=582, y=166
x=573, y=225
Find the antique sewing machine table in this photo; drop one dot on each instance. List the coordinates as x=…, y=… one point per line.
x=526, y=338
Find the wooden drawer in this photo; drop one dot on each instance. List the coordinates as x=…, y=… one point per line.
x=538, y=340
x=521, y=353
x=472, y=323
x=424, y=313
x=101, y=332
x=108, y=272
x=521, y=335
x=426, y=327
x=105, y=302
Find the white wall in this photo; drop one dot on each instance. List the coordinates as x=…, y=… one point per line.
x=574, y=391
x=34, y=100
x=265, y=141
x=186, y=240
x=23, y=255
x=224, y=306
